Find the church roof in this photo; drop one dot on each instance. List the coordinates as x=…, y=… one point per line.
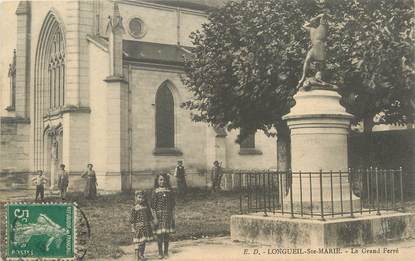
x=202, y=5
x=154, y=52
x=147, y=52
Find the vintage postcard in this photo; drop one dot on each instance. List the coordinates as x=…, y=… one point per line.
x=207, y=130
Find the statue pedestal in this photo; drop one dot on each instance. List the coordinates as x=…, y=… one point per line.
x=285, y=232
x=319, y=127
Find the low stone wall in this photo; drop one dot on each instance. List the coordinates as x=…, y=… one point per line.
x=194, y=178
x=140, y=180
x=145, y=179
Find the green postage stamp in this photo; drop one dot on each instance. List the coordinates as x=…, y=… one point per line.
x=40, y=231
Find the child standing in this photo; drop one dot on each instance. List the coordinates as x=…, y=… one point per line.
x=163, y=206
x=40, y=182
x=180, y=174
x=140, y=219
x=63, y=181
x=217, y=174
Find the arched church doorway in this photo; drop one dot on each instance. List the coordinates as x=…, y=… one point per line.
x=53, y=149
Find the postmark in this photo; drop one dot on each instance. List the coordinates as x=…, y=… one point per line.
x=41, y=231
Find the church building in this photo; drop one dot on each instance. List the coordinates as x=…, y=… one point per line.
x=99, y=82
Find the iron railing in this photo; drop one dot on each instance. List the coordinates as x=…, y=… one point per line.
x=321, y=194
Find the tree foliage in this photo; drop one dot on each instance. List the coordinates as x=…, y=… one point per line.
x=374, y=47
x=247, y=60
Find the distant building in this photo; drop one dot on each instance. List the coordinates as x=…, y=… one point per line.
x=99, y=81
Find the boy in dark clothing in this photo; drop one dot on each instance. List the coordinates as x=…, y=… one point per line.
x=217, y=174
x=180, y=175
x=63, y=181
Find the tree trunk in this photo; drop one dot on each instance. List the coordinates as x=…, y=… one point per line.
x=283, y=148
x=368, y=124
x=369, y=149
x=284, y=155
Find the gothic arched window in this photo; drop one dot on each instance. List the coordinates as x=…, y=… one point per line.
x=56, y=70
x=49, y=79
x=164, y=117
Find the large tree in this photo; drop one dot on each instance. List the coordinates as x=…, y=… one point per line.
x=373, y=46
x=247, y=60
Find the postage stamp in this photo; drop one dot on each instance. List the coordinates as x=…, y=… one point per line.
x=40, y=231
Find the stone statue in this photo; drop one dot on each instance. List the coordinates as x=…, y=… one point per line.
x=317, y=83
x=318, y=28
x=54, y=149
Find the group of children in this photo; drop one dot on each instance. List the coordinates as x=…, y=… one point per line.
x=150, y=218
x=180, y=174
x=154, y=218
x=63, y=182
x=40, y=181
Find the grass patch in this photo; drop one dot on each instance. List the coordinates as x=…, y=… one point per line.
x=198, y=214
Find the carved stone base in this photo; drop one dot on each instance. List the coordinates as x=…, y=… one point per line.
x=285, y=232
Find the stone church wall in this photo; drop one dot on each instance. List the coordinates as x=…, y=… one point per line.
x=267, y=146
x=84, y=134
x=197, y=141
x=98, y=153
x=14, y=153
x=175, y=25
x=189, y=136
x=189, y=23
x=77, y=21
